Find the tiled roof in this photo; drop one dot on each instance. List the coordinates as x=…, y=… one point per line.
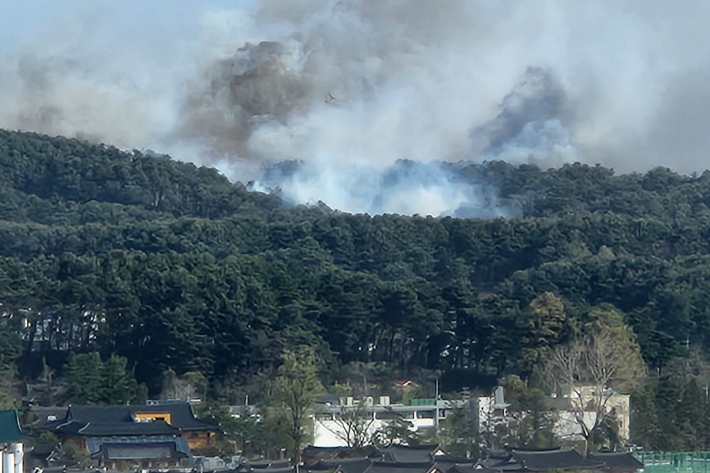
x=519, y=460
x=112, y=429
x=447, y=458
x=617, y=461
x=138, y=447
x=409, y=454
x=389, y=467
x=312, y=455
x=263, y=464
x=278, y=470
x=98, y=445
x=9, y=427
x=469, y=468
x=344, y=465
x=118, y=420
x=181, y=414
x=43, y=415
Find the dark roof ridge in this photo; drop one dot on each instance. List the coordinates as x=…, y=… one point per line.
x=344, y=460
x=403, y=464
x=534, y=452
x=432, y=446
x=536, y=449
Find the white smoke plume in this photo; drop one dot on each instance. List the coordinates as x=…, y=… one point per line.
x=363, y=98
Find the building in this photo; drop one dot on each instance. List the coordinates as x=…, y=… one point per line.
x=431, y=459
x=393, y=459
x=583, y=399
x=493, y=410
x=334, y=423
x=11, y=443
x=559, y=460
x=155, y=435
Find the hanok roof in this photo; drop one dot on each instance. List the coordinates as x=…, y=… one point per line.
x=263, y=464
x=138, y=448
x=409, y=454
x=113, y=429
x=617, y=461
x=343, y=465
x=43, y=415
x=469, y=468
x=389, y=467
x=119, y=420
x=288, y=469
x=312, y=455
x=10, y=427
x=42, y=450
x=518, y=460
x=449, y=458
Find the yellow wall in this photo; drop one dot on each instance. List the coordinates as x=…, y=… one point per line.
x=153, y=416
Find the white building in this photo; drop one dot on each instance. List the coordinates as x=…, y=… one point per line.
x=580, y=400
x=334, y=422
x=492, y=410
x=583, y=400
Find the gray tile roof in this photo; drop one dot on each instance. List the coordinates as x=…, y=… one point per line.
x=263, y=464
x=343, y=465
x=118, y=420
x=617, y=461
x=138, y=448
x=113, y=429
x=409, y=454
x=526, y=460
x=389, y=467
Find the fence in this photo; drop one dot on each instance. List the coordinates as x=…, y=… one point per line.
x=675, y=462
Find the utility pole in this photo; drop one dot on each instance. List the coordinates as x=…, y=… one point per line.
x=436, y=404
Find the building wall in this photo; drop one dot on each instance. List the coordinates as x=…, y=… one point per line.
x=328, y=432
x=200, y=439
x=490, y=412
x=568, y=428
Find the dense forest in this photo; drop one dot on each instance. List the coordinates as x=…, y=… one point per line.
x=144, y=268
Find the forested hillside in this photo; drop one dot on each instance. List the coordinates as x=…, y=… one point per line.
x=173, y=269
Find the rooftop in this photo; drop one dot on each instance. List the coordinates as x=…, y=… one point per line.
x=10, y=427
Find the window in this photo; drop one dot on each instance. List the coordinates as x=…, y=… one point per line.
x=387, y=415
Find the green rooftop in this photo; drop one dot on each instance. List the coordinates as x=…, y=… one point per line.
x=10, y=427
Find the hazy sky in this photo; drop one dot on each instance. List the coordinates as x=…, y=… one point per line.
x=623, y=83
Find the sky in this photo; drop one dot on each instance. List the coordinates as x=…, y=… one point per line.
x=352, y=87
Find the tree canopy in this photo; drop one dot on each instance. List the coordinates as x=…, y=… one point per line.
x=148, y=268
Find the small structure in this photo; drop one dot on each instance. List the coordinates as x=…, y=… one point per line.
x=11, y=442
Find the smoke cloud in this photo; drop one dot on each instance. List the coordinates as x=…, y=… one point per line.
x=355, y=103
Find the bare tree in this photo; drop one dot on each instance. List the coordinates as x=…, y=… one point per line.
x=589, y=370
x=353, y=425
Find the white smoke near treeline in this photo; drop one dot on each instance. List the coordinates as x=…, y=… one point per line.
x=356, y=102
